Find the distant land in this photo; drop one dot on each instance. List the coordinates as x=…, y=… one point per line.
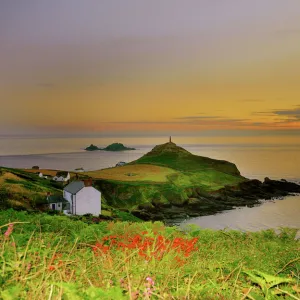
x=111, y=147
x=168, y=183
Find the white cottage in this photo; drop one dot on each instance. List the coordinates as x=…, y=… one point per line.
x=41, y=175
x=61, y=176
x=57, y=202
x=79, y=198
x=83, y=198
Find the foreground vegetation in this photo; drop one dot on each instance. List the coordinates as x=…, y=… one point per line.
x=55, y=257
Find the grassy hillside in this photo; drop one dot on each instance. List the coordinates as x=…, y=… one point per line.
x=22, y=190
x=166, y=175
x=177, y=158
x=54, y=257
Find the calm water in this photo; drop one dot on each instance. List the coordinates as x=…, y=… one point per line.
x=253, y=161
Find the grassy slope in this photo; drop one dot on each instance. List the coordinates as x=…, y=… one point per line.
x=175, y=157
x=51, y=257
x=143, y=173
x=23, y=190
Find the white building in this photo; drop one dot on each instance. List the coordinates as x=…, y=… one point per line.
x=61, y=176
x=79, y=198
x=41, y=175
x=57, y=202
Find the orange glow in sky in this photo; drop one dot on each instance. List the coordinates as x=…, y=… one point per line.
x=192, y=68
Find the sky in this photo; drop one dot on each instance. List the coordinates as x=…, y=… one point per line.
x=208, y=68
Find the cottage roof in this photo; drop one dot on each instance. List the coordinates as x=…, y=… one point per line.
x=74, y=187
x=62, y=173
x=56, y=199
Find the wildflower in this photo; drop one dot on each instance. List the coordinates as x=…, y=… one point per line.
x=51, y=268
x=29, y=267
x=9, y=230
x=134, y=295
x=150, y=281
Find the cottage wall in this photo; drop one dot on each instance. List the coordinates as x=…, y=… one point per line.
x=68, y=196
x=56, y=206
x=88, y=201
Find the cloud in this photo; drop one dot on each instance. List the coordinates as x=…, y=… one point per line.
x=264, y=113
x=282, y=116
x=217, y=119
x=292, y=113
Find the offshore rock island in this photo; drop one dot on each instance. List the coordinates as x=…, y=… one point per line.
x=111, y=147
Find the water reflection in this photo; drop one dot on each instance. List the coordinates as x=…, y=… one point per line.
x=270, y=214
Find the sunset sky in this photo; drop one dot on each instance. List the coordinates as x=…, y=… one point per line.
x=146, y=68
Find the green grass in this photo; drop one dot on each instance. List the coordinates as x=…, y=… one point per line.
x=31, y=179
x=187, y=162
x=22, y=190
x=209, y=180
x=51, y=257
x=133, y=173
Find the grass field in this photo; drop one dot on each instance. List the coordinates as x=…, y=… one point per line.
x=134, y=173
x=23, y=190
x=55, y=257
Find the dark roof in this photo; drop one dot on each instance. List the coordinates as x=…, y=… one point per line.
x=62, y=173
x=74, y=187
x=56, y=199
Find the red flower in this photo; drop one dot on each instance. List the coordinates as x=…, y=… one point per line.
x=51, y=268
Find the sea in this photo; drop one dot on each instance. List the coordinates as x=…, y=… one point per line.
x=254, y=160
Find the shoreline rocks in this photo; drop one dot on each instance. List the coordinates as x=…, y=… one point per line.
x=248, y=193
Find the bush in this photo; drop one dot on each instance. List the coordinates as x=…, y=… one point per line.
x=4, y=194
